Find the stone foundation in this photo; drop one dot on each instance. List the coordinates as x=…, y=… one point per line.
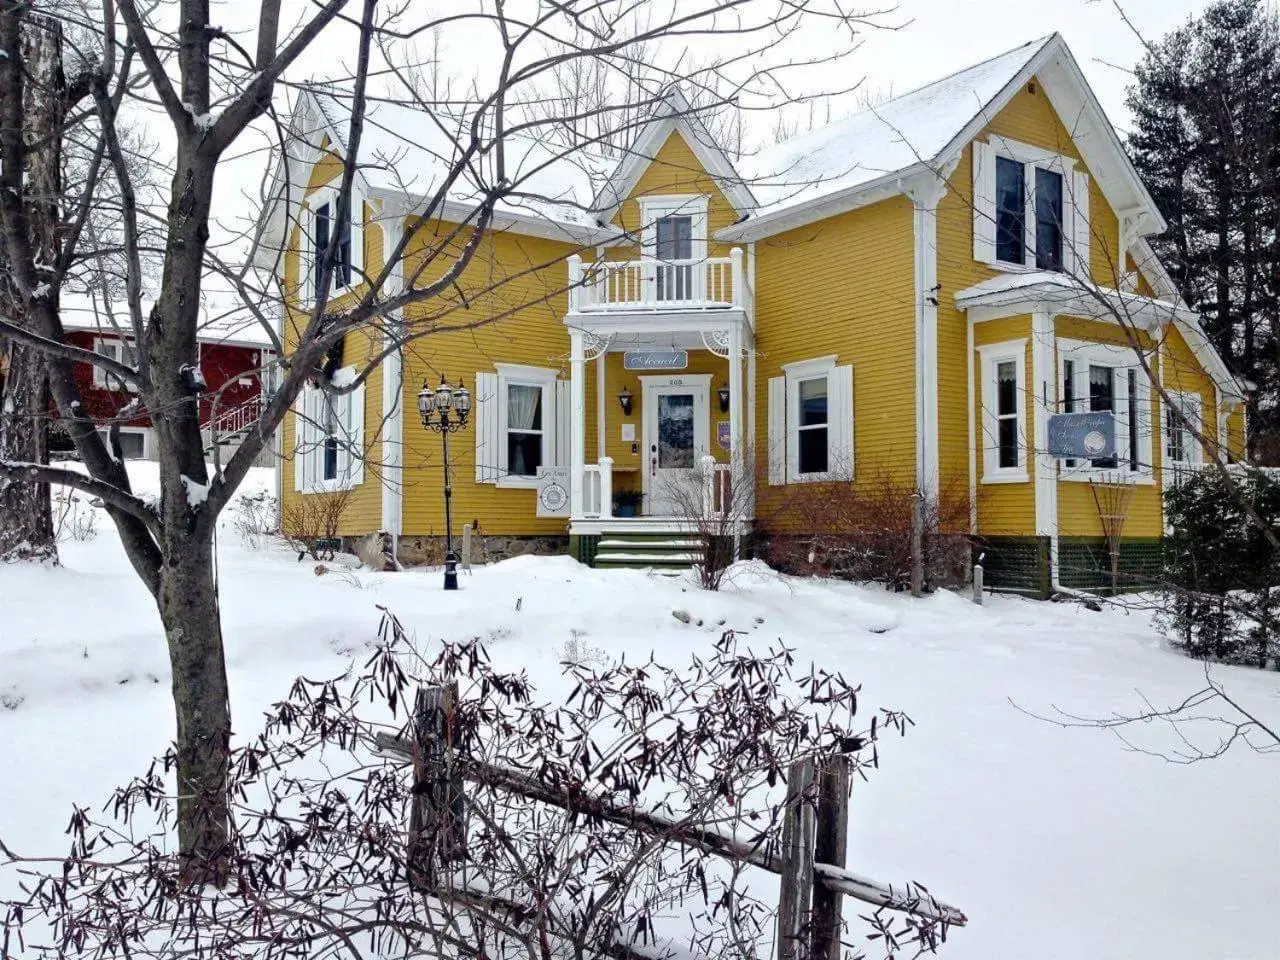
x=416, y=551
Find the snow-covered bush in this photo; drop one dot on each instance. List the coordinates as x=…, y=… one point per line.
x=74, y=517
x=312, y=524
x=628, y=816
x=1221, y=578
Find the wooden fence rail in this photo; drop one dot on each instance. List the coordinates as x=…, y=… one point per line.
x=810, y=862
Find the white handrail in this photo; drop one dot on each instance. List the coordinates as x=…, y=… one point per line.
x=700, y=284
x=234, y=419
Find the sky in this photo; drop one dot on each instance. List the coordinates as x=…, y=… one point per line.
x=943, y=36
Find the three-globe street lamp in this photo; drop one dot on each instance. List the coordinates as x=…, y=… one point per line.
x=445, y=410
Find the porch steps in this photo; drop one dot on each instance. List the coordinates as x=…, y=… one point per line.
x=662, y=552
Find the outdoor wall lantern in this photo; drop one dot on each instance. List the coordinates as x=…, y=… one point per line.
x=445, y=411
x=624, y=398
x=723, y=394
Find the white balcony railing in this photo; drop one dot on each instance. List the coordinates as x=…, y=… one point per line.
x=597, y=489
x=712, y=283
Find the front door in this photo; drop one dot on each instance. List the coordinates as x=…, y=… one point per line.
x=676, y=436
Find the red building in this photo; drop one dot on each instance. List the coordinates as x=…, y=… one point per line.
x=236, y=359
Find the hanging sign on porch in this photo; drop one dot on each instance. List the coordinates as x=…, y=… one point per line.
x=1082, y=436
x=655, y=359
x=553, y=491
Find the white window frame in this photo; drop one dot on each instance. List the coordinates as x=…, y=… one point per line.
x=143, y=432
x=1118, y=357
x=116, y=345
x=310, y=440
x=307, y=253
x=1031, y=158
x=797, y=373
x=992, y=355
x=1195, y=450
x=544, y=378
x=693, y=205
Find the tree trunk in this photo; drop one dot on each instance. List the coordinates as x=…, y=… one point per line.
x=188, y=603
x=26, y=519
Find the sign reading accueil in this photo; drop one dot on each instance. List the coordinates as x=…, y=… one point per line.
x=553, y=491
x=1082, y=436
x=655, y=359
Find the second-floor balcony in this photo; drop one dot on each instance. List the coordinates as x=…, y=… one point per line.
x=650, y=285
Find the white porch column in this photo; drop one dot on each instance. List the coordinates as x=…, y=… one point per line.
x=1043, y=383
x=578, y=422
x=736, y=404
x=606, y=488
x=601, y=419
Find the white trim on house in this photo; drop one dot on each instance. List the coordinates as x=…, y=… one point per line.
x=119, y=349
x=148, y=440
x=674, y=113
x=992, y=355
x=314, y=445
x=925, y=196
x=327, y=196
x=393, y=401
x=839, y=426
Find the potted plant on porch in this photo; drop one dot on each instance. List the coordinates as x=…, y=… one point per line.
x=626, y=502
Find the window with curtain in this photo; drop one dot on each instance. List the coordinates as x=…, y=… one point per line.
x=1007, y=414
x=524, y=429
x=812, y=425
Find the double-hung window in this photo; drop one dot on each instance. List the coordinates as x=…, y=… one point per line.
x=811, y=422
x=329, y=436
x=1182, y=452
x=1107, y=378
x=319, y=224
x=674, y=237
x=1030, y=207
x=1003, y=412
x=521, y=416
x=119, y=351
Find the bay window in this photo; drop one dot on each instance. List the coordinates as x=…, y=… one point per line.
x=1108, y=378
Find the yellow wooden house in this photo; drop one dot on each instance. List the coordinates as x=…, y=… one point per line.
x=914, y=292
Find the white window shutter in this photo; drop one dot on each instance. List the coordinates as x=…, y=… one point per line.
x=306, y=257
x=984, y=202
x=299, y=438
x=357, y=236
x=485, y=414
x=840, y=431
x=563, y=423
x=1080, y=231
x=355, y=436
x=778, y=439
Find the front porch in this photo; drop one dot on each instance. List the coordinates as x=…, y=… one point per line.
x=662, y=401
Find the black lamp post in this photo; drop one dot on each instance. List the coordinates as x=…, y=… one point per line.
x=445, y=410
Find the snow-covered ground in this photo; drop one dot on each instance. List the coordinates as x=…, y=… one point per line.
x=1059, y=844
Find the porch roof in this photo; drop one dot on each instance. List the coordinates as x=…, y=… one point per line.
x=1010, y=294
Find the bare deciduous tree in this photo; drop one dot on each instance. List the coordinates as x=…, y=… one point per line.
x=211, y=88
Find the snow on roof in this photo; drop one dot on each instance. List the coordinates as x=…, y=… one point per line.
x=912, y=128
x=222, y=318
x=410, y=150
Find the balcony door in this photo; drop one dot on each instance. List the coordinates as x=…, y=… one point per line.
x=674, y=241
x=676, y=436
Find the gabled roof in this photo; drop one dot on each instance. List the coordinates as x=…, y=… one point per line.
x=868, y=156
x=673, y=114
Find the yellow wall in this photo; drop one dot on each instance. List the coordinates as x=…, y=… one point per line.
x=363, y=512
x=845, y=286
x=674, y=170
x=1007, y=509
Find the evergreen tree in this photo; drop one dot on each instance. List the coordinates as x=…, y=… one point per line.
x=1206, y=105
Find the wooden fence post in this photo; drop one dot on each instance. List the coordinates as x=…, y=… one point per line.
x=795, y=889
x=437, y=825
x=829, y=847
